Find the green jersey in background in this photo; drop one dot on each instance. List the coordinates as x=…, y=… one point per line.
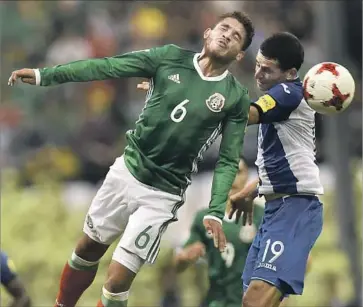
x=225, y=270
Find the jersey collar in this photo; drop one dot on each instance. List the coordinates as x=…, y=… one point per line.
x=197, y=68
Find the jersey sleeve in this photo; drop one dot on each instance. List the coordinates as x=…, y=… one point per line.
x=278, y=103
x=142, y=63
x=7, y=269
x=233, y=132
x=197, y=231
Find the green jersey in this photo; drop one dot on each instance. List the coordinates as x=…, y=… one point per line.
x=225, y=270
x=184, y=113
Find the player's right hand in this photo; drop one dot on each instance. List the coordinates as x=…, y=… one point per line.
x=145, y=85
x=26, y=75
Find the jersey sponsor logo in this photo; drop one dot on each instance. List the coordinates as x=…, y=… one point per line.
x=248, y=233
x=215, y=103
x=174, y=78
x=89, y=222
x=267, y=266
x=266, y=103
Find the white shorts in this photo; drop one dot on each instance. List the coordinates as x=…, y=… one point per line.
x=124, y=206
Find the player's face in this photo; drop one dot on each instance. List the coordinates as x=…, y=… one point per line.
x=224, y=42
x=268, y=72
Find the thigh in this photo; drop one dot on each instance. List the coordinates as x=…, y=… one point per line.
x=111, y=207
x=262, y=293
x=251, y=261
x=286, y=242
x=156, y=210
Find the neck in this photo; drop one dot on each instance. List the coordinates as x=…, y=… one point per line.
x=209, y=66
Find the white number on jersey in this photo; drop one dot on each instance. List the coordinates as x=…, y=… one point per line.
x=276, y=253
x=179, y=112
x=228, y=254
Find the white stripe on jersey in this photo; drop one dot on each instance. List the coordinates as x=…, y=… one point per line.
x=296, y=135
x=204, y=148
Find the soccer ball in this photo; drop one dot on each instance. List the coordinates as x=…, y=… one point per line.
x=328, y=88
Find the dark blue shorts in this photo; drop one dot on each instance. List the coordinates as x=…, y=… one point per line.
x=279, y=252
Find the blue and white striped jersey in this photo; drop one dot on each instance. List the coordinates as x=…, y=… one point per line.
x=286, y=142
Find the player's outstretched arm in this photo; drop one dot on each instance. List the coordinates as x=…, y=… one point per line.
x=142, y=63
x=188, y=255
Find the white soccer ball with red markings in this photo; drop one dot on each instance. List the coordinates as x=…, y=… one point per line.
x=328, y=88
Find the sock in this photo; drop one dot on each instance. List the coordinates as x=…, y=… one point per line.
x=77, y=276
x=109, y=299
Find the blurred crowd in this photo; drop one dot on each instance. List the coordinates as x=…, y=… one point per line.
x=77, y=130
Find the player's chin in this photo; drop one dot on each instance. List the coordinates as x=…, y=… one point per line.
x=262, y=87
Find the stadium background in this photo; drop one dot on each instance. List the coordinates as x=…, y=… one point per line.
x=57, y=143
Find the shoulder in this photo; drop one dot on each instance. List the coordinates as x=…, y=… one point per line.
x=287, y=91
x=172, y=51
x=236, y=85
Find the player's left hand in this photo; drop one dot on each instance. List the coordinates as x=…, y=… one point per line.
x=145, y=85
x=215, y=229
x=26, y=75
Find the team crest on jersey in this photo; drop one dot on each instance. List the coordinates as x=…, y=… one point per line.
x=247, y=233
x=215, y=103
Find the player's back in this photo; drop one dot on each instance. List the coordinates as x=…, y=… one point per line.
x=224, y=270
x=183, y=115
x=286, y=142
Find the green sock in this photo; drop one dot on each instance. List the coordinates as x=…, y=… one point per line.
x=114, y=300
x=78, y=263
x=112, y=303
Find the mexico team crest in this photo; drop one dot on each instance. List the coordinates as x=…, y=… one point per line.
x=215, y=103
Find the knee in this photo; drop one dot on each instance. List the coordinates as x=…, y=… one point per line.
x=90, y=250
x=249, y=301
x=119, y=278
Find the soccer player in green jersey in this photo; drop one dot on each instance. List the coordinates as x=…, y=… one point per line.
x=192, y=99
x=224, y=270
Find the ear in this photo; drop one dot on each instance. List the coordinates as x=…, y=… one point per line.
x=291, y=74
x=240, y=56
x=207, y=33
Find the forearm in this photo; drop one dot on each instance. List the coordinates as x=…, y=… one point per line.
x=78, y=71
x=180, y=264
x=251, y=188
x=224, y=176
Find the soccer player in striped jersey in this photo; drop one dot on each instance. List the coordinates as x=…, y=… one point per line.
x=288, y=177
x=192, y=100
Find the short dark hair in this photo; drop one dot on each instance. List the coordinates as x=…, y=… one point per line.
x=285, y=48
x=246, y=22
